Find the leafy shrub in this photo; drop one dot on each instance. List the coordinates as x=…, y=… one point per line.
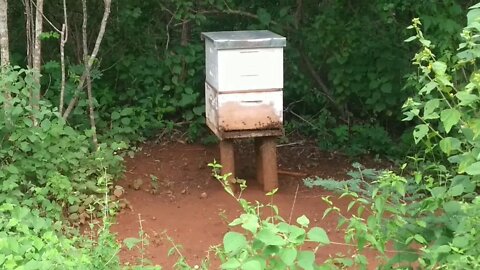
x=266, y=243
x=427, y=216
x=46, y=168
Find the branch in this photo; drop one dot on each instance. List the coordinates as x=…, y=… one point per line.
x=298, y=14
x=40, y=12
x=37, y=57
x=91, y=59
x=63, y=40
x=4, y=41
x=5, y=58
x=89, y=79
x=240, y=13
x=29, y=31
x=323, y=87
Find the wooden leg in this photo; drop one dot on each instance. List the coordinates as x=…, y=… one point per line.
x=227, y=159
x=258, y=160
x=267, y=163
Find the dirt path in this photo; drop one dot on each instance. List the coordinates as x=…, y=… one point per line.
x=194, y=210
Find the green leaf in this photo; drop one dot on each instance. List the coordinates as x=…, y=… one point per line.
x=475, y=126
x=475, y=6
x=419, y=132
x=449, y=118
x=252, y=265
x=410, y=39
x=318, y=235
x=232, y=263
x=288, y=256
x=303, y=221
x=127, y=111
x=12, y=169
x=473, y=169
x=428, y=87
x=306, y=259
x=126, y=121
x=428, y=110
x=439, y=67
x=438, y=191
x=450, y=145
x=420, y=239
x=46, y=123
x=443, y=249
x=199, y=110
x=250, y=223
x=452, y=207
x=268, y=237
x=466, y=98
x=460, y=241
x=473, y=15
x=233, y=242
x=456, y=190
x=263, y=16
x=115, y=116
x=131, y=242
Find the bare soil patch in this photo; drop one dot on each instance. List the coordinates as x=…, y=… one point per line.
x=194, y=210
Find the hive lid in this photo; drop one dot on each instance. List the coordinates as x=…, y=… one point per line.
x=245, y=39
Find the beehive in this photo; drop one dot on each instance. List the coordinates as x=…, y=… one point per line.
x=244, y=83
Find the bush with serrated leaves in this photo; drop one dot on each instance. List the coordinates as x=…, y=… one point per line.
x=428, y=215
x=45, y=167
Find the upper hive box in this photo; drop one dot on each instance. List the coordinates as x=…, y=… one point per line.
x=239, y=61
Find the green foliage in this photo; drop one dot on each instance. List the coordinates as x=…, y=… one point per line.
x=267, y=243
x=447, y=106
x=358, y=139
x=426, y=216
x=48, y=169
x=354, y=48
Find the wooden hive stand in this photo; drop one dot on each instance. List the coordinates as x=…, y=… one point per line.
x=265, y=157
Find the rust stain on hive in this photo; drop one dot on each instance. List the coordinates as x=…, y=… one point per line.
x=235, y=116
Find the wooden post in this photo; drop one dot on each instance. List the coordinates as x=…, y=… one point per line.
x=227, y=159
x=258, y=160
x=267, y=174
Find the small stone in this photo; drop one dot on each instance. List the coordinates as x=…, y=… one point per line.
x=154, y=218
x=118, y=192
x=137, y=183
x=204, y=195
x=122, y=204
x=184, y=191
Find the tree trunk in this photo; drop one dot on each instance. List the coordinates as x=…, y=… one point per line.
x=91, y=59
x=63, y=40
x=4, y=46
x=91, y=110
x=37, y=56
x=4, y=53
x=37, y=49
x=29, y=31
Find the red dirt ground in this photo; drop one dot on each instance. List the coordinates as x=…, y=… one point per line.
x=194, y=210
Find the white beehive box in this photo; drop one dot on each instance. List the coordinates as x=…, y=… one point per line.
x=244, y=81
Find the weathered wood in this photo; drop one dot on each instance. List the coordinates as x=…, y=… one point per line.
x=296, y=174
x=227, y=159
x=5, y=57
x=267, y=163
x=241, y=134
x=258, y=160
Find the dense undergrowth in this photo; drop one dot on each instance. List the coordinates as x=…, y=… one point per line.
x=345, y=64
x=53, y=179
